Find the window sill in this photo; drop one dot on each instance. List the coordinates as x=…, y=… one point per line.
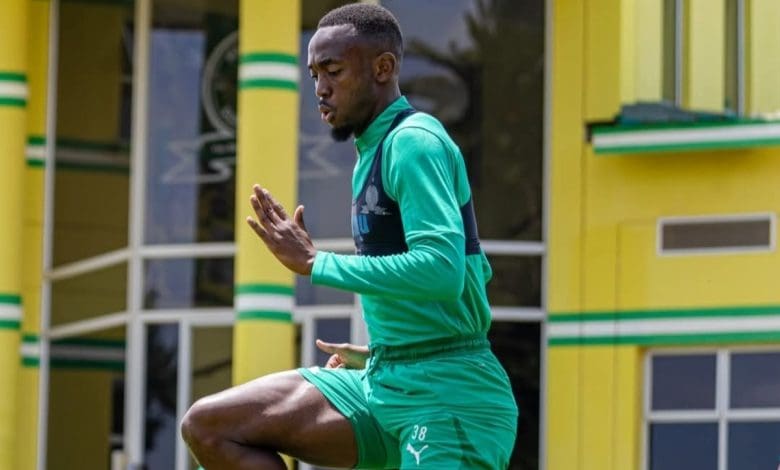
x=682, y=137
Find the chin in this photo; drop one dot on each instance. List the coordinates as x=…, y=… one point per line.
x=340, y=134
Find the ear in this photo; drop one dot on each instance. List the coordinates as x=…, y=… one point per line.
x=385, y=67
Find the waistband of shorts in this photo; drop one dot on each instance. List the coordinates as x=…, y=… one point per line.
x=429, y=349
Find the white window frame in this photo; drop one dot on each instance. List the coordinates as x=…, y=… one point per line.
x=771, y=217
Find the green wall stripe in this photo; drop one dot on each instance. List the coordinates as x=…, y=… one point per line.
x=14, y=102
x=254, y=315
x=13, y=299
x=36, y=163
x=31, y=362
x=264, y=289
x=268, y=83
x=13, y=77
x=766, y=310
x=662, y=126
x=30, y=338
x=668, y=340
x=251, y=57
x=36, y=140
x=10, y=324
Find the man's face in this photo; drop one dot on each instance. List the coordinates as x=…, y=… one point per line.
x=342, y=71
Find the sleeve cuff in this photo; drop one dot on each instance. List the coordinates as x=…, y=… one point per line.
x=318, y=269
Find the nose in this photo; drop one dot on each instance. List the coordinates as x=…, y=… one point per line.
x=322, y=88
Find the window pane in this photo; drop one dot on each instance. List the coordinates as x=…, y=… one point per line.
x=683, y=382
x=691, y=235
x=332, y=330
x=754, y=445
x=732, y=59
x=89, y=295
x=517, y=281
x=517, y=346
x=162, y=363
x=184, y=283
x=490, y=98
x=670, y=51
x=755, y=380
x=307, y=293
x=692, y=446
x=192, y=120
x=92, y=152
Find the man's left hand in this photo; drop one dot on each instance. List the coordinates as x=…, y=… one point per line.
x=287, y=238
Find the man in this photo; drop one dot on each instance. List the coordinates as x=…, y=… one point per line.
x=428, y=392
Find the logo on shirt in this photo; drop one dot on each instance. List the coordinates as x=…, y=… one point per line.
x=372, y=199
x=416, y=453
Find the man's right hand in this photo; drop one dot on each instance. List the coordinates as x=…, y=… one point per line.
x=344, y=355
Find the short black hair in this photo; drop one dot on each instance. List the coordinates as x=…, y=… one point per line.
x=372, y=22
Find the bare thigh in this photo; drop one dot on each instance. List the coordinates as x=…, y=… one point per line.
x=284, y=413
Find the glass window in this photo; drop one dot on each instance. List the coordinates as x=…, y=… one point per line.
x=89, y=295
x=489, y=96
x=683, y=382
x=92, y=152
x=755, y=380
x=703, y=235
x=690, y=446
x=685, y=421
x=517, y=281
x=188, y=282
x=754, y=445
x=672, y=47
x=162, y=362
x=192, y=121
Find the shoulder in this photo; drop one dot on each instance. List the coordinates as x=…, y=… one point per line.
x=420, y=133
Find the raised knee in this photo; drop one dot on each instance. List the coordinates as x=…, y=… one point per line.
x=197, y=427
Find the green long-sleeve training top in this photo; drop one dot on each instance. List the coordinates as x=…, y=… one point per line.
x=434, y=289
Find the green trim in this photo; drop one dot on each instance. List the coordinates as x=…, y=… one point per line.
x=668, y=340
x=268, y=83
x=36, y=140
x=17, y=102
x=35, y=163
x=269, y=315
x=688, y=146
x=13, y=299
x=30, y=338
x=264, y=289
x=767, y=310
x=10, y=324
x=13, y=77
x=622, y=128
x=254, y=57
x=90, y=365
x=92, y=167
x=99, y=342
x=31, y=362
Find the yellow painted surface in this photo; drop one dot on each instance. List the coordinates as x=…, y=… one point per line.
x=602, y=50
x=38, y=62
x=648, y=49
x=763, y=56
x=564, y=408
x=627, y=408
x=13, y=31
x=704, y=75
x=268, y=155
x=27, y=418
x=9, y=367
x=566, y=156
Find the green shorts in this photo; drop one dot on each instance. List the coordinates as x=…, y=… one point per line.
x=434, y=405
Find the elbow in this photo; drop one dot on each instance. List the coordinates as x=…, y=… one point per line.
x=450, y=286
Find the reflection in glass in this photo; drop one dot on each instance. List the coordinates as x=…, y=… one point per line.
x=86, y=413
x=457, y=66
x=755, y=380
x=683, y=382
x=188, y=282
x=162, y=361
x=517, y=346
x=192, y=109
x=89, y=295
x=93, y=114
x=691, y=446
x=331, y=330
x=754, y=445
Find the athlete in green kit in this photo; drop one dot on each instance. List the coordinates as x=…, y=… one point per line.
x=427, y=392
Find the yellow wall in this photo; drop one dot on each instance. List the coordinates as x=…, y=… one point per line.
x=763, y=56
x=604, y=210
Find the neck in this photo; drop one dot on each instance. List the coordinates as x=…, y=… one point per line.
x=384, y=100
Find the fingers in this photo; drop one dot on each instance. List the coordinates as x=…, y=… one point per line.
x=298, y=218
x=329, y=348
x=259, y=230
x=273, y=209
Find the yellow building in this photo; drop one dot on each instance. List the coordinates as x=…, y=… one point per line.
x=624, y=157
x=664, y=306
